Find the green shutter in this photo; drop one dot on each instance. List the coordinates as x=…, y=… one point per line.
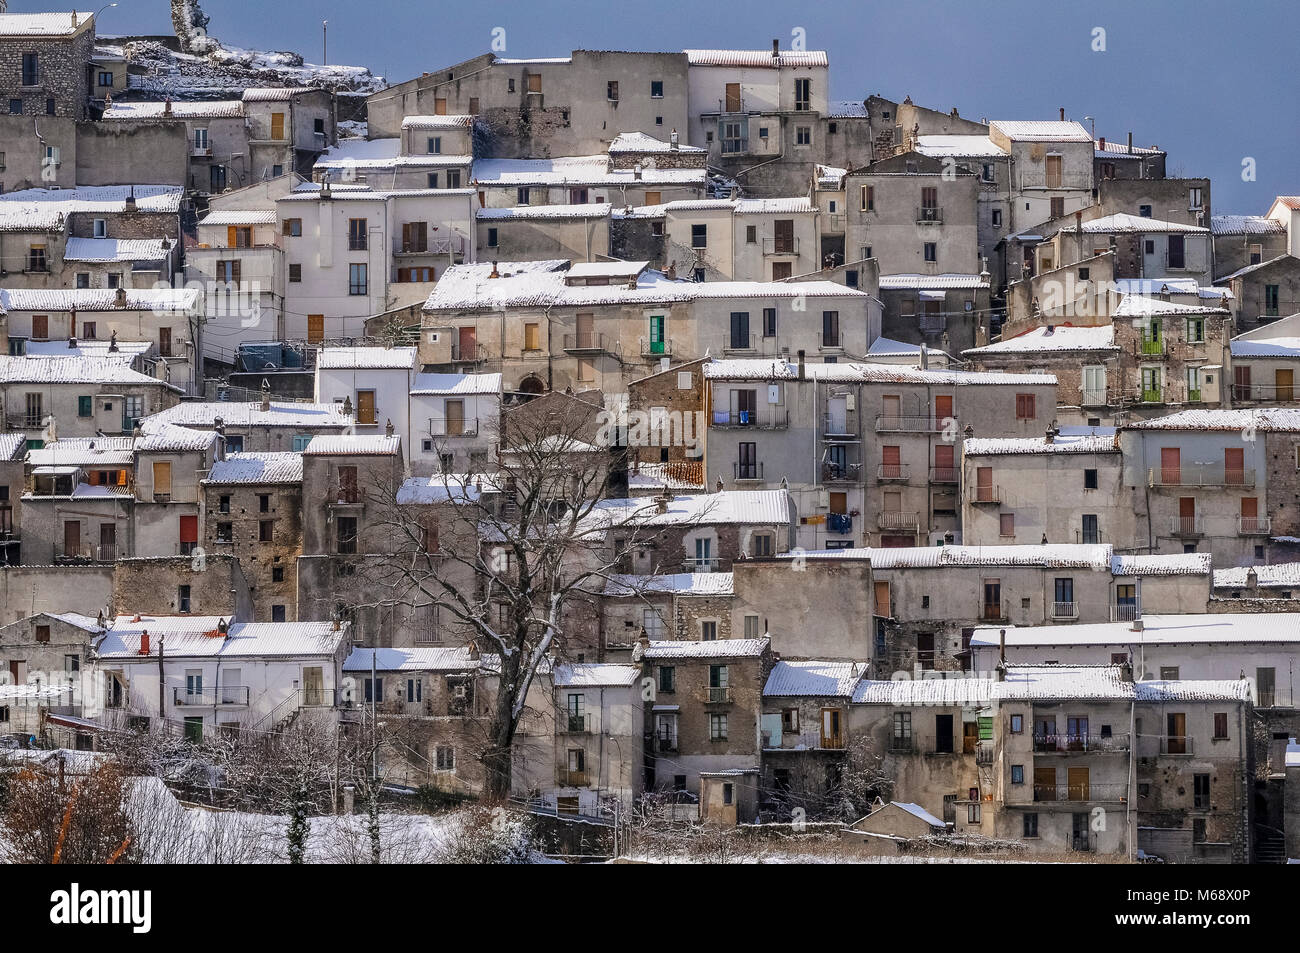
x=986, y=729
x=84, y=408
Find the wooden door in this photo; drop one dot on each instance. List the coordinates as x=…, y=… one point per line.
x=162, y=478
x=984, y=484
x=1176, y=732
x=782, y=270
x=839, y=502
x=1241, y=382
x=733, y=98
x=1053, y=172
x=831, y=728
x=945, y=470
x=165, y=342
x=884, y=607
x=1045, y=784
x=1283, y=379
x=891, y=462
x=467, y=344
x=970, y=736
x=942, y=408
x=72, y=538
x=1234, y=466
x=783, y=229
x=365, y=407
x=1077, y=780
x=107, y=541
x=440, y=106
x=40, y=326
x=277, y=125
x=1250, y=522
x=455, y=410
x=585, y=326
x=315, y=328
x=1171, y=466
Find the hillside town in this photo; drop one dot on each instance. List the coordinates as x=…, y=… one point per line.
x=645, y=442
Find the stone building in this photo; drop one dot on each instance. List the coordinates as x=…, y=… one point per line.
x=1264, y=364
x=1244, y=240
x=1266, y=291
x=805, y=729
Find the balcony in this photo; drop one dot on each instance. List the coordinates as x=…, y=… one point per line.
x=892, y=473
x=715, y=696
x=1200, y=474
x=893, y=423
x=899, y=522
x=1187, y=526
x=747, y=471
x=1125, y=612
x=24, y=421
x=568, y=778
x=203, y=153
x=929, y=215
x=1078, y=743
x=589, y=342
x=945, y=475
x=777, y=419
x=1254, y=525
x=84, y=554
x=841, y=473
x=1065, y=610
x=1114, y=791
x=987, y=493
x=571, y=724
x=468, y=353
x=1093, y=398
x=1175, y=744
x=780, y=246
x=1151, y=396
x=701, y=564
x=665, y=743
x=1031, y=179
x=1150, y=347
x=453, y=426
x=232, y=695
x=655, y=348
x=992, y=612
x=831, y=342
x=837, y=430
x=452, y=244
x=1271, y=393
x=834, y=223
x=900, y=744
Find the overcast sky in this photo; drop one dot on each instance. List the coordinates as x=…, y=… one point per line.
x=1212, y=83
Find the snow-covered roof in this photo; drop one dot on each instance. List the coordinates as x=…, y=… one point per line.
x=11, y=443
x=1207, y=628
x=1042, y=131
x=240, y=216
x=42, y=209
x=98, y=299
x=1140, y=306
x=1169, y=285
x=1111, y=149
x=1285, y=419
x=1032, y=682
x=945, y=282
x=242, y=414
x=830, y=176
x=437, y=122
x=199, y=637
x=779, y=206
x=1122, y=223
x=960, y=147
x=1161, y=564
x=537, y=212
x=88, y=452
x=116, y=249
x=745, y=507
x=1050, y=338
x=259, y=467
x=345, y=444
x=455, y=384
x=199, y=109
x=640, y=142
x=657, y=476
x=169, y=438
x=1245, y=225
x=817, y=678
x=577, y=170
x=43, y=24
x=72, y=370
x=1282, y=347
x=680, y=583
x=127, y=351
x=606, y=269
x=1050, y=555
x=757, y=59
x=919, y=812
x=768, y=369
x=1193, y=690
x=367, y=358
x=596, y=675
x=717, y=648
x=272, y=94
x=1087, y=441
x=1258, y=266
x=1276, y=576
x=424, y=659
x=846, y=109
x=940, y=691
x=441, y=488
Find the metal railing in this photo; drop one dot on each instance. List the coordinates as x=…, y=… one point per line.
x=903, y=521
x=453, y=426
x=945, y=475
x=1269, y=392
x=430, y=246
x=1081, y=791
x=1151, y=396
x=841, y=472
x=700, y=564
x=1200, y=474
x=585, y=341
x=1094, y=398
x=899, y=744
x=832, y=428
x=210, y=697
x=1065, y=610
x=1175, y=744
x=1187, y=526
x=473, y=352
x=1125, y=612
x=986, y=493
x=571, y=724
x=1070, y=742
x=913, y=423
x=715, y=696
x=1254, y=525
x=892, y=471
x=776, y=419
x=655, y=348
x=832, y=342
x=927, y=215
x=780, y=246
x=747, y=471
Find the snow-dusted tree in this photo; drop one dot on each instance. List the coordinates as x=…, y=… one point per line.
x=191, y=26
x=510, y=556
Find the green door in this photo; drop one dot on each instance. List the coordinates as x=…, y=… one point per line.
x=656, y=334
x=194, y=730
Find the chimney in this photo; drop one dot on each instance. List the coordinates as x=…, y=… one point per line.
x=1002, y=646
x=1051, y=435
x=661, y=504
x=801, y=367
x=1252, y=579
x=223, y=626
x=266, y=401
x=72, y=342
x=1126, y=670
x=334, y=626
x=388, y=427
x=636, y=171
x=112, y=343
x=167, y=106
x=1062, y=114
x=1130, y=143
x=925, y=358
x=672, y=141
x=144, y=642
x=671, y=273
x=494, y=273
x=136, y=618
x=1101, y=143
x=119, y=299
x=1137, y=625
x=776, y=48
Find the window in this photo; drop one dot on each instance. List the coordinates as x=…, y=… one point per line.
x=105, y=78
x=717, y=727
x=972, y=813
x=265, y=530
x=277, y=574
x=868, y=193
x=931, y=251
x=1007, y=524
x=1177, y=252
x=293, y=227
x=100, y=227
x=182, y=598
x=1025, y=407
x=36, y=261
x=431, y=180
x=997, y=218
x=1201, y=791
x=1090, y=479
x=1220, y=725
x=1030, y=826
x=656, y=89
x=830, y=329
x=357, y=284
x=753, y=627
x=751, y=235
x=522, y=195
x=434, y=145
x=708, y=630
x=740, y=330
x=347, y=535
x=357, y=234
x=374, y=690
x=611, y=90
x=1090, y=531
x=162, y=479
x=803, y=94
x=1195, y=200
x=15, y=109
x=902, y=731
x=1271, y=300
x=42, y=633
x=1017, y=724
x=1017, y=774
x=295, y=273
x=1057, y=208
x=699, y=236
x=453, y=178
x=1169, y=673
x=85, y=406
x=31, y=69
x=493, y=238
x=445, y=758
x=225, y=532
x=667, y=678
x=803, y=136
x=414, y=690
x=300, y=441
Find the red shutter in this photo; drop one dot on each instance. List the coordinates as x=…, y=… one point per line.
x=189, y=529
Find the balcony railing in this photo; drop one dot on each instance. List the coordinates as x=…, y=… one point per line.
x=463, y=353
x=986, y=493
x=453, y=426
x=655, y=348
x=780, y=246
x=1065, y=610
x=1094, y=398
x=700, y=564
x=1064, y=180
x=916, y=423
x=1254, y=525
x=929, y=215
x=900, y=744
x=1268, y=392
x=832, y=342
x=98, y=554
x=774, y=420
x=1069, y=743
x=571, y=724
x=1125, y=612
x=834, y=429
x=841, y=472
x=945, y=475
x=1175, y=744
x=889, y=472
x=665, y=742
x=567, y=778
x=586, y=341
x=910, y=522
x=1200, y=474
x=715, y=696
x=747, y=471
x=1081, y=791
x=1151, y=395
x=236, y=695
x=1187, y=526
x=1151, y=346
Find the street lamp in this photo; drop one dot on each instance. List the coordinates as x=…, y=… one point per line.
x=102, y=9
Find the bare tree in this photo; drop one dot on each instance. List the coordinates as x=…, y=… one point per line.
x=52, y=818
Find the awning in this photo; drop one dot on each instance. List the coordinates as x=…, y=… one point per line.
x=54, y=471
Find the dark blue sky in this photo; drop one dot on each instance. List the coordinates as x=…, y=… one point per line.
x=1209, y=82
